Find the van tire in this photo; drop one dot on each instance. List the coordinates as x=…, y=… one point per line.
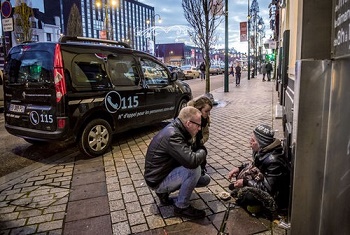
x=96, y=138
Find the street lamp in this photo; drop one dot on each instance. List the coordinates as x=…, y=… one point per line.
x=148, y=21
x=248, y=39
x=152, y=39
x=107, y=26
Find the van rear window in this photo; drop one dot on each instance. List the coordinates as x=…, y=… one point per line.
x=29, y=67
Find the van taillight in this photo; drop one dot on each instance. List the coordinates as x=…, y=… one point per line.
x=58, y=73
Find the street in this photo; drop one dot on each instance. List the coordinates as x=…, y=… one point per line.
x=16, y=153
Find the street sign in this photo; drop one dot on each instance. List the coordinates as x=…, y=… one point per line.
x=6, y=9
x=7, y=25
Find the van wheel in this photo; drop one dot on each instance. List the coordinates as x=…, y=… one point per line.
x=182, y=104
x=96, y=138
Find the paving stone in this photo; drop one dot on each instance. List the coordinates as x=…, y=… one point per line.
x=241, y=223
x=87, y=208
x=50, y=225
x=7, y=209
x=41, y=182
x=85, y=191
x=29, y=213
x=133, y=207
x=9, y=216
x=115, y=195
x=116, y=205
x=40, y=219
x=118, y=216
x=88, y=178
x=112, y=180
x=155, y=221
x=12, y=224
x=139, y=228
x=127, y=188
x=136, y=218
x=91, y=226
x=28, y=229
x=121, y=228
x=130, y=197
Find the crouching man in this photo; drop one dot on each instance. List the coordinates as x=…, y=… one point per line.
x=171, y=164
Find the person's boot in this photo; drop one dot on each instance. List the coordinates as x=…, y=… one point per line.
x=189, y=212
x=165, y=199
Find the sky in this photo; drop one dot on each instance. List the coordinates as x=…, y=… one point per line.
x=173, y=20
x=172, y=14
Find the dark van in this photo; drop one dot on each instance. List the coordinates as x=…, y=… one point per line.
x=86, y=90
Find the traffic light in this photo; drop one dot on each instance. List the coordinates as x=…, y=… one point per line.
x=270, y=57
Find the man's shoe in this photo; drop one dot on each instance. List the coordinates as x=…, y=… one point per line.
x=189, y=212
x=164, y=199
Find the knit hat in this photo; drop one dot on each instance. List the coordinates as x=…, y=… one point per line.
x=264, y=135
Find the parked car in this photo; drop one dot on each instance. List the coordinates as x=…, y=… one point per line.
x=214, y=69
x=190, y=71
x=84, y=90
x=180, y=73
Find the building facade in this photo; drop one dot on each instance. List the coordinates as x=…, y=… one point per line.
x=102, y=19
x=313, y=83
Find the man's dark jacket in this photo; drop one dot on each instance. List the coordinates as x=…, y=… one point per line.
x=170, y=148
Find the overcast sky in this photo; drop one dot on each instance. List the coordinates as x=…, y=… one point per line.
x=172, y=14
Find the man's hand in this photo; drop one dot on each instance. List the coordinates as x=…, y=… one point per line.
x=233, y=173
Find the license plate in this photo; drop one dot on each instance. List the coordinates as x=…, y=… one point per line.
x=17, y=108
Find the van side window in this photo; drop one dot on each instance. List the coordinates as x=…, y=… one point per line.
x=122, y=70
x=153, y=72
x=88, y=71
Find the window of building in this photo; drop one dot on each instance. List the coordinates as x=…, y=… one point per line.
x=33, y=23
x=35, y=38
x=48, y=37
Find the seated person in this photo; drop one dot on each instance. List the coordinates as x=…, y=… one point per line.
x=171, y=163
x=265, y=182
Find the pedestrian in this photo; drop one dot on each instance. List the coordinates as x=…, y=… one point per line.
x=232, y=70
x=171, y=164
x=268, y=70
x=204, y=105
x=202, y=69
x=263, y=70
x=238, y=74
x=263, y=183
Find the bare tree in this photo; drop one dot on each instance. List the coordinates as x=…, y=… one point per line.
x=204, y=16
x=24, y=16
x=74, y=27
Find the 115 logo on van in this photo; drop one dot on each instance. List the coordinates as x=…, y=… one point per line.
x=114, y=101
x=36, y=118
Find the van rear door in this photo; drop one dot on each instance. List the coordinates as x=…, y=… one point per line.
x=30, y=95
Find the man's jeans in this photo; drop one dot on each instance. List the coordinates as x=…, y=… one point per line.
x=184, y=180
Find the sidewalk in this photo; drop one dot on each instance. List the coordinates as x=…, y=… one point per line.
x=108, y=195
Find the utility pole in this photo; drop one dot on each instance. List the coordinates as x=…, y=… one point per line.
x=248, y=39
x=226, y=81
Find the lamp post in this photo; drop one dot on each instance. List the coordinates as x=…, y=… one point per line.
x=107, y=26
x=152, y=23
x=226, y=81
x=248, y=39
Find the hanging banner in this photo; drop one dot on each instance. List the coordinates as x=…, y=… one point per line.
x=243, y=31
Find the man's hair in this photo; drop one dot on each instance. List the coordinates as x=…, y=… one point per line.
x=187, y=113
x=200, y=102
